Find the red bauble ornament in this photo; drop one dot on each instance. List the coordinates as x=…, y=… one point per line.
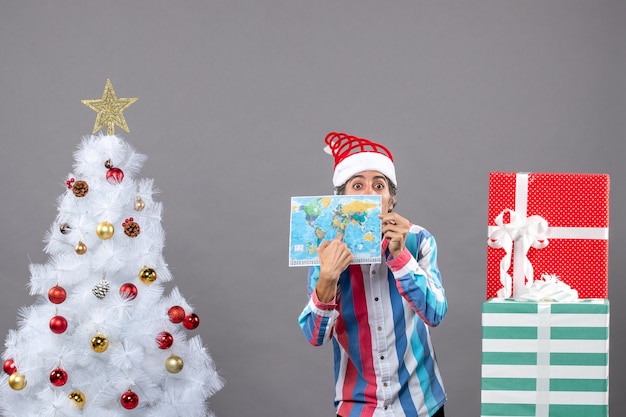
x=58, y=377
x=165, y=340
x=115, y=176
x=57, y=294
x=58, y=324
x=176, y=313
x=9, y=366
x=129, y=400
x=191, y=321
x=128, y=291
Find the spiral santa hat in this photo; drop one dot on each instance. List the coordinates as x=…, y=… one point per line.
x=353, y=155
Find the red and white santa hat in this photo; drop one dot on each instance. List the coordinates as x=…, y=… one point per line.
x=354, y=155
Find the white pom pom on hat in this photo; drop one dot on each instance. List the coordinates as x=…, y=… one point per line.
x=353, y=155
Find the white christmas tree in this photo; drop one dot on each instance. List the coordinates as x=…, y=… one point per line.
x=103, y=339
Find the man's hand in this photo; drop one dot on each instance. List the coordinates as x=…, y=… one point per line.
x=334, y=257
x=395, y=230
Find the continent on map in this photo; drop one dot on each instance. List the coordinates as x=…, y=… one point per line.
x=354, y=212
x=368, y=237
x=320, y=234
x=314, y=208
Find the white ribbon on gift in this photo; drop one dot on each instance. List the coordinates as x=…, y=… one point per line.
x=543, y=291
x=525, y=232
x=542, y=401
x=522, y=233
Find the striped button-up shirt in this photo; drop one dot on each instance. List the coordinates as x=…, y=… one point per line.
x=384, y=359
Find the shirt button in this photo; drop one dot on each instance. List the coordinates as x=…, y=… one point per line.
x=380, y=328
x=374, y=272
x=386, y=407
x=376, y=299
x=382, y=357
x=385, y=384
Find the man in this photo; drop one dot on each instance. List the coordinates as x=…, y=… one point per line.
x=378, y=316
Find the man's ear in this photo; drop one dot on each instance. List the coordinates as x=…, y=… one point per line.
x=392, y=204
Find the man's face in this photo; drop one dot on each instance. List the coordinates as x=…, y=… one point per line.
x=370, y=183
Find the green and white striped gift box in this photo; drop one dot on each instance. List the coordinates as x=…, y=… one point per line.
x=545, y=359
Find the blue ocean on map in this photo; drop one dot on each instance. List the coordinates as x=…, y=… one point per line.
x=318, y=218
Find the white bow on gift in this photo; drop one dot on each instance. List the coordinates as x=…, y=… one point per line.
x=548, y=288
x=524, y=233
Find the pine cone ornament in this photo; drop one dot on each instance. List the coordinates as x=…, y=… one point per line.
x=101, y=289
x=80, y=188
x=131, y=228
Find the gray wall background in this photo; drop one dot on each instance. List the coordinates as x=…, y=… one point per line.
x=235, y=98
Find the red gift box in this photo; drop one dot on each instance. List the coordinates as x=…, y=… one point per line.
x=548, y=223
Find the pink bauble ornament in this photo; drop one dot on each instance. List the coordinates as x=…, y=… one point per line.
x=65, y=228
x=9, y=366
x=115, y=176
x=58, y=324
x=128, y=291
x=165, y=340
x=176, y=313
x=192, y=321
x=129, y=400
x=58, y=377
x=57, y=294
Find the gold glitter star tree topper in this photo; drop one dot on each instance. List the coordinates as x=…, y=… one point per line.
x=110, y=110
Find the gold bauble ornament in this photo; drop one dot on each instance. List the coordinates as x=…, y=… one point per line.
x=105, y=230
x=174, y=364
x=147, y=275
x=17, y=381
x=78, y=398
x=139, y=204
x=99, y=343
x=80, y=248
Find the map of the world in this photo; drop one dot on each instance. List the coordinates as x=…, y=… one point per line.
x=318, y=218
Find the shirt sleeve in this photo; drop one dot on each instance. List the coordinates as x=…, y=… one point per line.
x=418, y=278
x=317, y=319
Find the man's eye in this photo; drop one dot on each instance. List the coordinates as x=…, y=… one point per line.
x=357, y=186
x=380, y=186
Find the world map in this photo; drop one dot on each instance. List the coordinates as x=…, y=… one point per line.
x=318, y=218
